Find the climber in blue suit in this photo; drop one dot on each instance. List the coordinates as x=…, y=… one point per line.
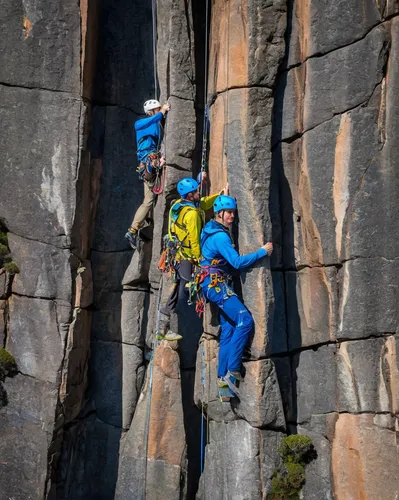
x=218, y=260
x=149, y=134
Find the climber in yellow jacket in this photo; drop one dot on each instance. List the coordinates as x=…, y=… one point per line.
x=186, y=220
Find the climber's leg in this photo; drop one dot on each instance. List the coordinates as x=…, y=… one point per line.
x=141, y=213
x=239, y=315
x=226, y=334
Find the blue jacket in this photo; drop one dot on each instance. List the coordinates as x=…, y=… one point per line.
x=216, y=244
x=148, y=135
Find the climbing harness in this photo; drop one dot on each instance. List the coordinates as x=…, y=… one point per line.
x=172, y=244
x=151, y=171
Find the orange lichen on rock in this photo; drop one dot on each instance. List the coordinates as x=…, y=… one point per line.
x=27, y=27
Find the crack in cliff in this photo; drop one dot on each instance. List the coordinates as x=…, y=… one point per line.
x=308, y=420
x=51, y=299
x=315, y=347
x=318, y=55
x=299, y=135
x=238, y=87
x=110, y=341
x=26, y=87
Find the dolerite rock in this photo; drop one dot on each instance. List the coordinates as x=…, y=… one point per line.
x=118, y=81
x=121, y=191
x=352, y=155
x=206, y=383
x=247, y=43
x=114, y=364
x=367, y=376
x=364, y=458
x=312, y=306
x=314, y=379
x=25, y=425
x=74, y=375
x=318, y=473
x=46, y=271
x=354, y=70
x=37, y=334
x=314, y=26
x=92, y=473
x=42, y=45
x=368, y=304
x=134, y=317
x=3, y=287
x=3, y=306
x=260, y=401
x=152, y=451
x=278, y=335
x=175, y=55
x=252, y=203
x=44, y=174
x=137, y=272
x=239, y=462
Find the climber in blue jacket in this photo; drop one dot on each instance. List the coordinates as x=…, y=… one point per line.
x=149, y=134
x=218, y=260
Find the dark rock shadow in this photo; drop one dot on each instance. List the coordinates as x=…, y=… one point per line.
x=283, y=261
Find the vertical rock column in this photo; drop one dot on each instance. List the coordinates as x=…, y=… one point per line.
x=247, y=46
x=47, y=199
x=123, y=82
x=334, y=153
x=153, y=455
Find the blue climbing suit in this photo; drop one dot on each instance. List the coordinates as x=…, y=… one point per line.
x=149, y=134
x=218, y=259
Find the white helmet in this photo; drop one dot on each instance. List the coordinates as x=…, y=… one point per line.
x=151, y=104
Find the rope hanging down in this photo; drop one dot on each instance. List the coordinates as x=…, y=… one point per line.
x=154, y=45
x=205, y=126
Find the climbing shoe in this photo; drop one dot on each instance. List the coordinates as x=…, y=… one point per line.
x=132, y=239
x=172, y=336
x=232, y=382
x=224, y=392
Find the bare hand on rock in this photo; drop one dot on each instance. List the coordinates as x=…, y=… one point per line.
x=268, y=247
x=165, y=107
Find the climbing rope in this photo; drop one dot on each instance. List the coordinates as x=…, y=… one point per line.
x=154, y=45
x=154, y=345
x=205, y=126
x=202, y=408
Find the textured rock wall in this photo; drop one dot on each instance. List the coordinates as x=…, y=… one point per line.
x=333, y=169
x=47, y=201
x=303, y=126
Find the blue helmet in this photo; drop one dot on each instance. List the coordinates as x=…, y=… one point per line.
x=224, y=202
x=186, y=186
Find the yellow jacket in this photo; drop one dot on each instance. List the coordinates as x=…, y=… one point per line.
x=188, y=226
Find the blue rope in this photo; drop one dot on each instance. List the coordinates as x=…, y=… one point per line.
x=202, y=409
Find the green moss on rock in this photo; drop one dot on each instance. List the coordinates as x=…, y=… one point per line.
x=11, y=267
x=3, y=238
x=296, y=451
x=7, y=361
x=3, y=249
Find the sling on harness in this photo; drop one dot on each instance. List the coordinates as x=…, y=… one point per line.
x=151, y=171
x=219, y=273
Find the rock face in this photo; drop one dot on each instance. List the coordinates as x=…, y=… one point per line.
x=303, y=106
